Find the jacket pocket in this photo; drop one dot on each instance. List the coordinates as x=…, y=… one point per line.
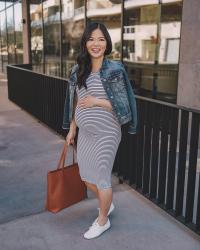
x=120, y=96
x=116, y=82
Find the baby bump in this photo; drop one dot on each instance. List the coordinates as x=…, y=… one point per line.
x=96, y=120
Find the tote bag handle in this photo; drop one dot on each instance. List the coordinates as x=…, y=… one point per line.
x=63, y=156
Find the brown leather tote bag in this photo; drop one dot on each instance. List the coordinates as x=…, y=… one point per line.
x=64, y=185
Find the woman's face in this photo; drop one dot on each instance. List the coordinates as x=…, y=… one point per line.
x=96, y=44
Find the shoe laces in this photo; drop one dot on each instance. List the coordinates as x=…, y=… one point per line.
x=94, y=225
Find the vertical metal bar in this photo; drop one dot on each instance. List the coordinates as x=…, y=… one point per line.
x=14, y=33
x=154, y=86
x=124, y=152
x=1, y=45
x=122, y=30
x=42, y=95
x=49, y=102
x=52, y=106
x=29, y=31
x=192, y=167
x=198, y=208
x=172, y=158
x=147, y=149
x=163, y=154
x=6, y=31
x=132, y=158
x=123, y=167
x=156, y=109
x=61, y=36
x=181, y=162
x=157, y=48
x=43, y=38
x=55, y=98
x=85, y=13
x=48, y=97
x=140, y=145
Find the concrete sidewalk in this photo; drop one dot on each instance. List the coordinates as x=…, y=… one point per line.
x=28, y=150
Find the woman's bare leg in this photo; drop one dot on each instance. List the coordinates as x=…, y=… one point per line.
x=93, y=188
x=105, y=200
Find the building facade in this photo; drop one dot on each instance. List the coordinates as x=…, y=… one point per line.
x=149, y=36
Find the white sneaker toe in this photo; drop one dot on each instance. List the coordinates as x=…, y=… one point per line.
x=96, y=230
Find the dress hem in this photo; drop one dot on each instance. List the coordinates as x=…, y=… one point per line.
x=107, y=187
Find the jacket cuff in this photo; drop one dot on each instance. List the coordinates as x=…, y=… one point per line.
x=66, y=126
x=132, y=130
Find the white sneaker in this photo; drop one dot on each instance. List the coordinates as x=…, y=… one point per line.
x=111, y=209
x=96, y=230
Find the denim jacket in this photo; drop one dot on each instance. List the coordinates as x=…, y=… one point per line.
x=118, y=89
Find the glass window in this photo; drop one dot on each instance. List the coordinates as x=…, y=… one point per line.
x=72, y=30
x=140, y=30
x=3, y=40
x=9, y=2
x=109, y=13
x=51, y=15
x=170, y=32
x=18, y=32
x=2, y=5
x=151, y=38
x=4, y=47
x=36, y=35
x=11, y=35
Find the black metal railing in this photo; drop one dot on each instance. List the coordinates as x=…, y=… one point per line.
x=160, y=161
x=41, y=95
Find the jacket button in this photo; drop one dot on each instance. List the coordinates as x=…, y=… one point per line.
x=118, y=113
x=111, y=97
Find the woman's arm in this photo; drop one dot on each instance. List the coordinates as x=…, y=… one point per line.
x=72, y=131
x=73, y=123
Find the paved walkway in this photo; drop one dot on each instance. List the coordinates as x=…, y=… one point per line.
x=28, y=149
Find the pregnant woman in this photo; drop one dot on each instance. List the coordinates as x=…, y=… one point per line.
x=99, y=100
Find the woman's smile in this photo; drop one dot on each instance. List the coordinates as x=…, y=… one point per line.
x=95, y=50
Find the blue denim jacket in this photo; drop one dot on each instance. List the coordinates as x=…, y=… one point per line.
x=119, y=91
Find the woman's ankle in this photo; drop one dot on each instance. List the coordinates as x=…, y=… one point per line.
x=102, y=220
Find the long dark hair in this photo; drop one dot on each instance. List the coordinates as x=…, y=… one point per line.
x=83, y=58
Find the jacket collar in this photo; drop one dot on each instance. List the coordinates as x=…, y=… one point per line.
x=104, y=64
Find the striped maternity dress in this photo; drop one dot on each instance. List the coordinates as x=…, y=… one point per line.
x=99, y=136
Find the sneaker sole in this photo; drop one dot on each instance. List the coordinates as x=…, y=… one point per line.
x=97, y=235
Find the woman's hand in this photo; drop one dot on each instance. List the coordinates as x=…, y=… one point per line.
x=87, y=102
x=91, y=101
x=70, y=136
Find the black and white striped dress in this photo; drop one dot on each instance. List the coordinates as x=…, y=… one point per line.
x=99, y=136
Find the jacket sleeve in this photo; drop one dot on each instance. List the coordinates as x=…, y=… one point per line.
x=65, y=124
x=132, y=102
x=66, y=121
